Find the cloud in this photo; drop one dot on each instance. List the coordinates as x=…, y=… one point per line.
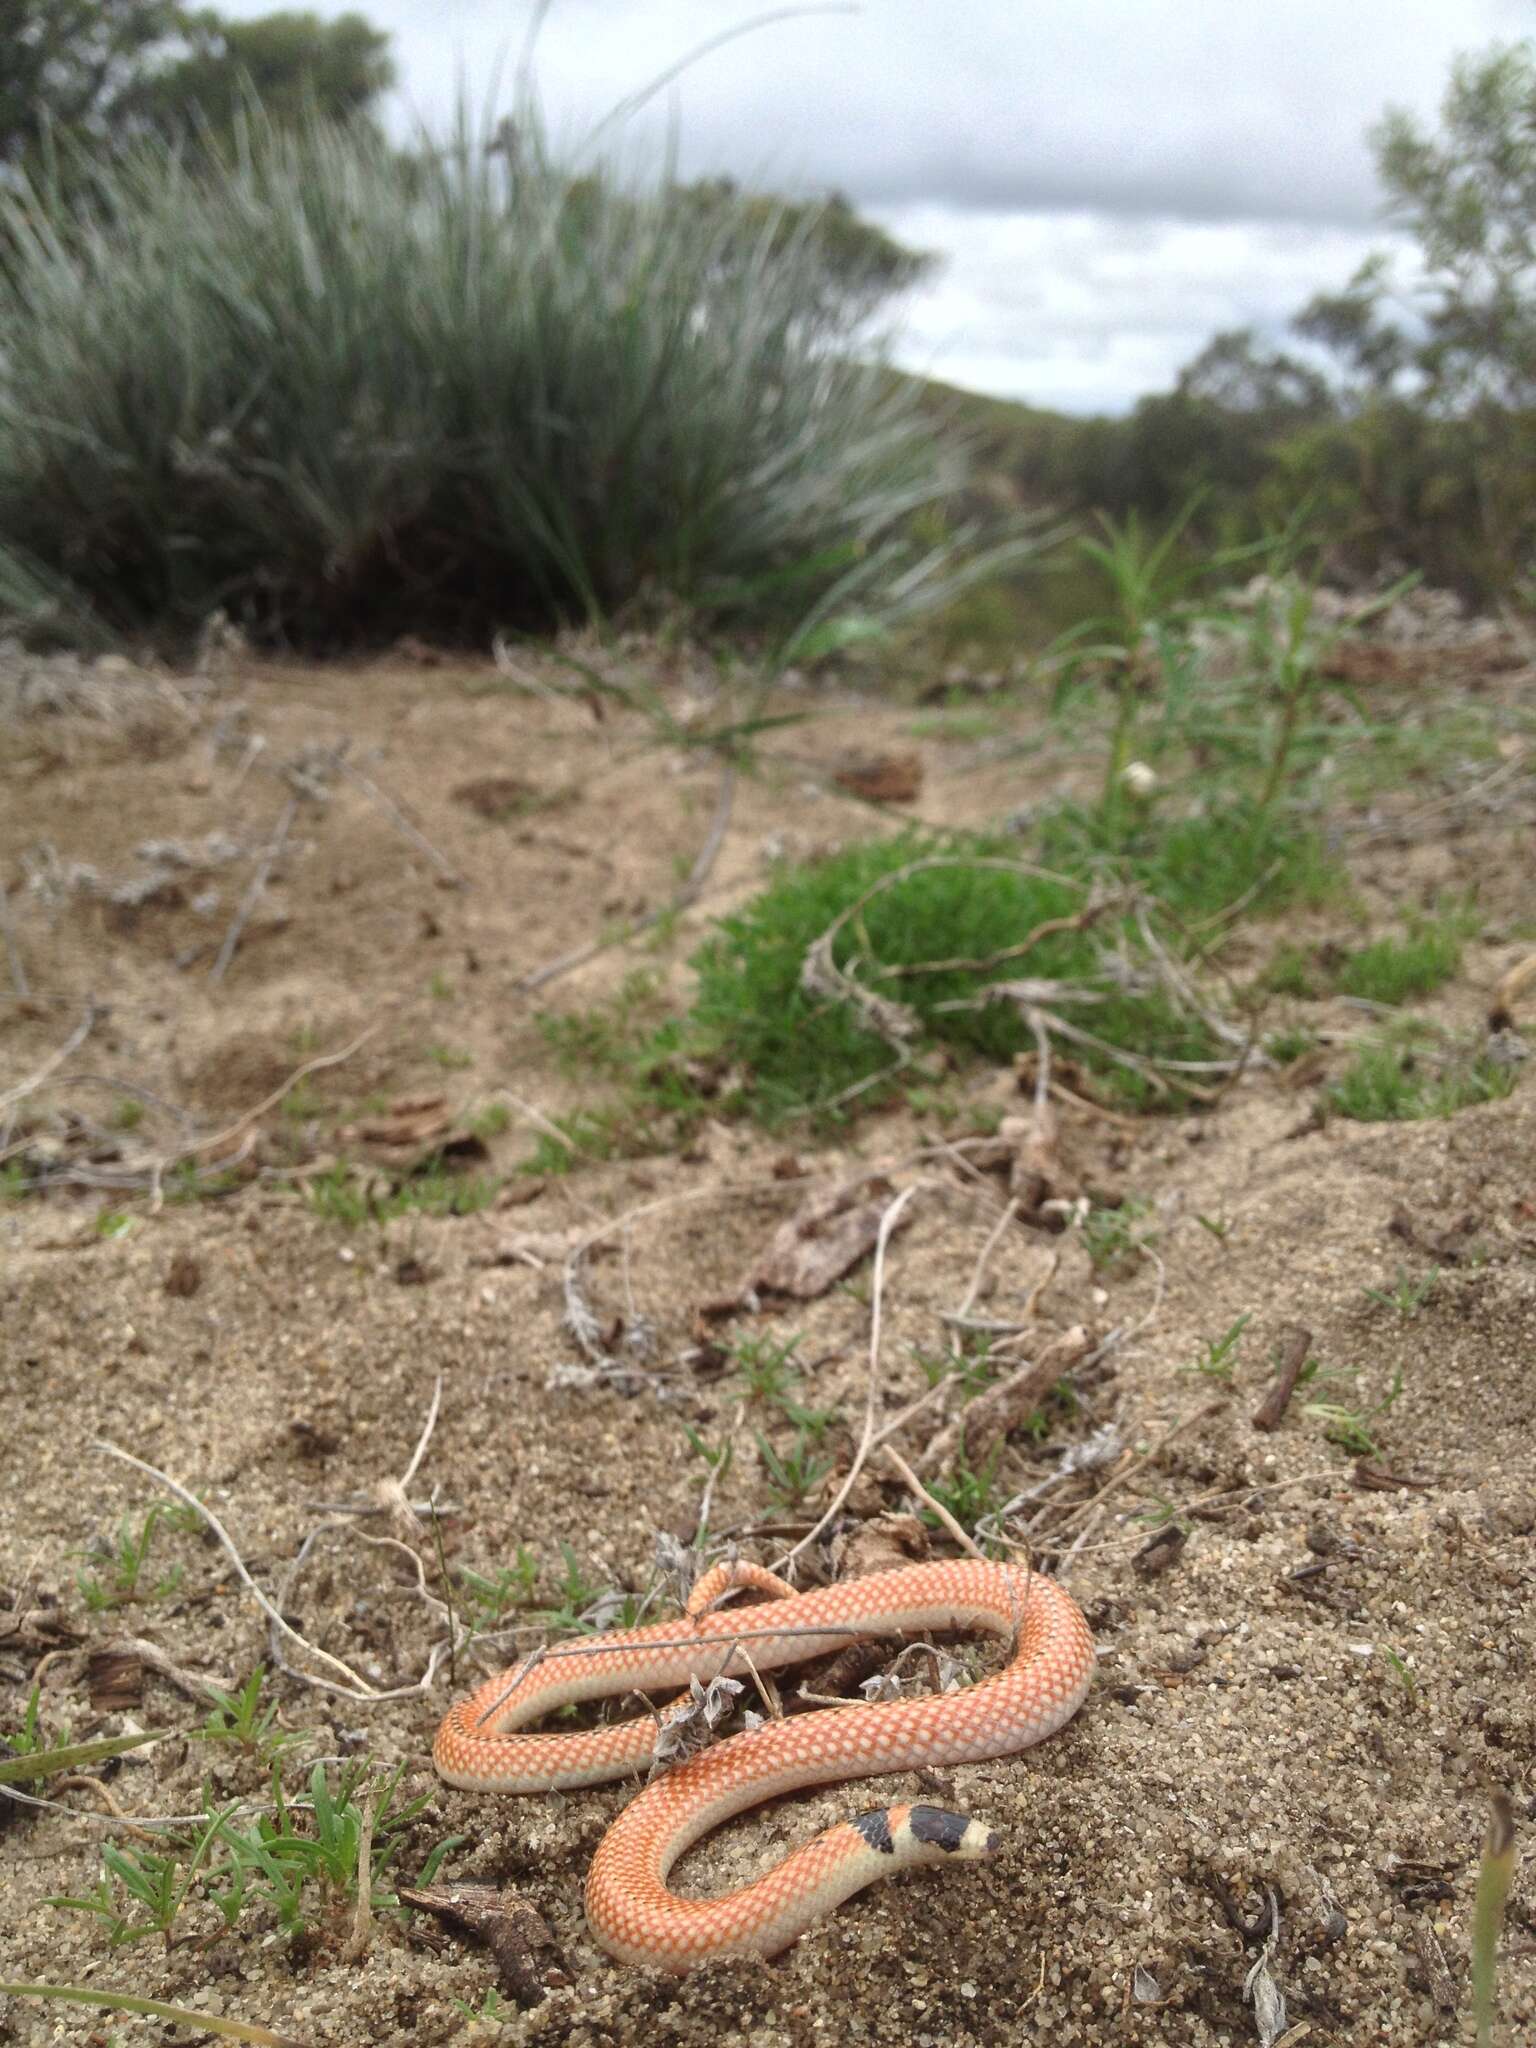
x=1111, y=180
x=1195, y=109
x=1085, y=313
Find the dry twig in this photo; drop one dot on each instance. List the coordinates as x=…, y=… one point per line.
x=255, y=891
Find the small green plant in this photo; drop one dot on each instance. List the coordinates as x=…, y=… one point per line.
x=1218, y=1356
x=492, y=2011
x=1392, y=971
x=341, y=1195
x=507, y=1589
x=766, y=1366
x=1112, y=1236
x=127, y=1114
x=717, y=1457
x=113, y=1223
x=1159, y=1513
x=298, y=1861
x=1401, y=1082
x=241, y=1719
x=125, y=1560
x=812, y=1422
x=969, y=1495
x=1286, y=1047
x=1408, y=1295
x=453, y=1059
x=440, y=988
x=971, y=1368
x=793, y=1474
x=1346, y=1427
x=1215, y=1226
x=491, y=1121
x=1402, y=1672
x=1292, y=971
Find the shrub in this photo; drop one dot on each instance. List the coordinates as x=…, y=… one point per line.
x=794, y=1049
x=340, y=393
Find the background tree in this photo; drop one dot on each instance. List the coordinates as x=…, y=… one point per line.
x=65, y=62
x=100, y=71
x=291, y=63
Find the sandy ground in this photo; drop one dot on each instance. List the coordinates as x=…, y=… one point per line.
x=1310, y=1705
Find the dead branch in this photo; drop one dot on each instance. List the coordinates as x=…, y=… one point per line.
x=55, y=1060
x=255, y=890
x=1271, y=1410
x=910, y=1479
x=396, y=815
x=1049, y=927
x=698, y=875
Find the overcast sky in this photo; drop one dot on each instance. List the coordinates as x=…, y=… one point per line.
x=1109, y=181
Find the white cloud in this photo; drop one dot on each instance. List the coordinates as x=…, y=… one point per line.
x=1112, y=180
x=1083, y=312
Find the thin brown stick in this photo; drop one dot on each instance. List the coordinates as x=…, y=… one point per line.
x=910, y=1480
x=698, y=875
x=1271, y=1410
x=255, y=890
x=872, y=1389
x=55, y=1060
x=12, y=951
x=402, y=824
x=1049, y=926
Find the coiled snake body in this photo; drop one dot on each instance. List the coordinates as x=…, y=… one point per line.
x=630, y=1909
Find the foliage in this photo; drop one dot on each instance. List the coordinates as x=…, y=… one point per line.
x=1402, y=1081
x=1393, y=970
x=339, y=394
x=291, y=64
x=965, y=900
x=297, y=1862
x=103, y=71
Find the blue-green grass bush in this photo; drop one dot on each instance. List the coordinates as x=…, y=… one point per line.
x=339, y=392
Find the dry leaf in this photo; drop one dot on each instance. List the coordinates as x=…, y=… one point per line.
x=822, y=1241
x=881, y=778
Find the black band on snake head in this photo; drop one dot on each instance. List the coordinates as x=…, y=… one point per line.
x=933, y=1824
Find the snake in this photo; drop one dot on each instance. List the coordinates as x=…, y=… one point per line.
x=631, y=1911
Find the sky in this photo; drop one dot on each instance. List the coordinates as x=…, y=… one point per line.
x=1108, y=182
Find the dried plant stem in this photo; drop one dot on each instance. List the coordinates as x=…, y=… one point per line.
x=910, y=1480
x=888, y=1223
x=254, y=892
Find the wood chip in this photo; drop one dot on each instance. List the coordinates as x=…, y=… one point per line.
x=115, y=1679
x=183, y=1277
x=881, y=778
x=825, y=1238
x=1292, y=1358
x=516, y=1936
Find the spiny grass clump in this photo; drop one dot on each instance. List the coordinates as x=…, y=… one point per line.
x=338, y=391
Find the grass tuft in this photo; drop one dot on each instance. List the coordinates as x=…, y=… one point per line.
x=337, y=392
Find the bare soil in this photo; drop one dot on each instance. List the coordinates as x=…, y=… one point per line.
x=1310, y=1706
